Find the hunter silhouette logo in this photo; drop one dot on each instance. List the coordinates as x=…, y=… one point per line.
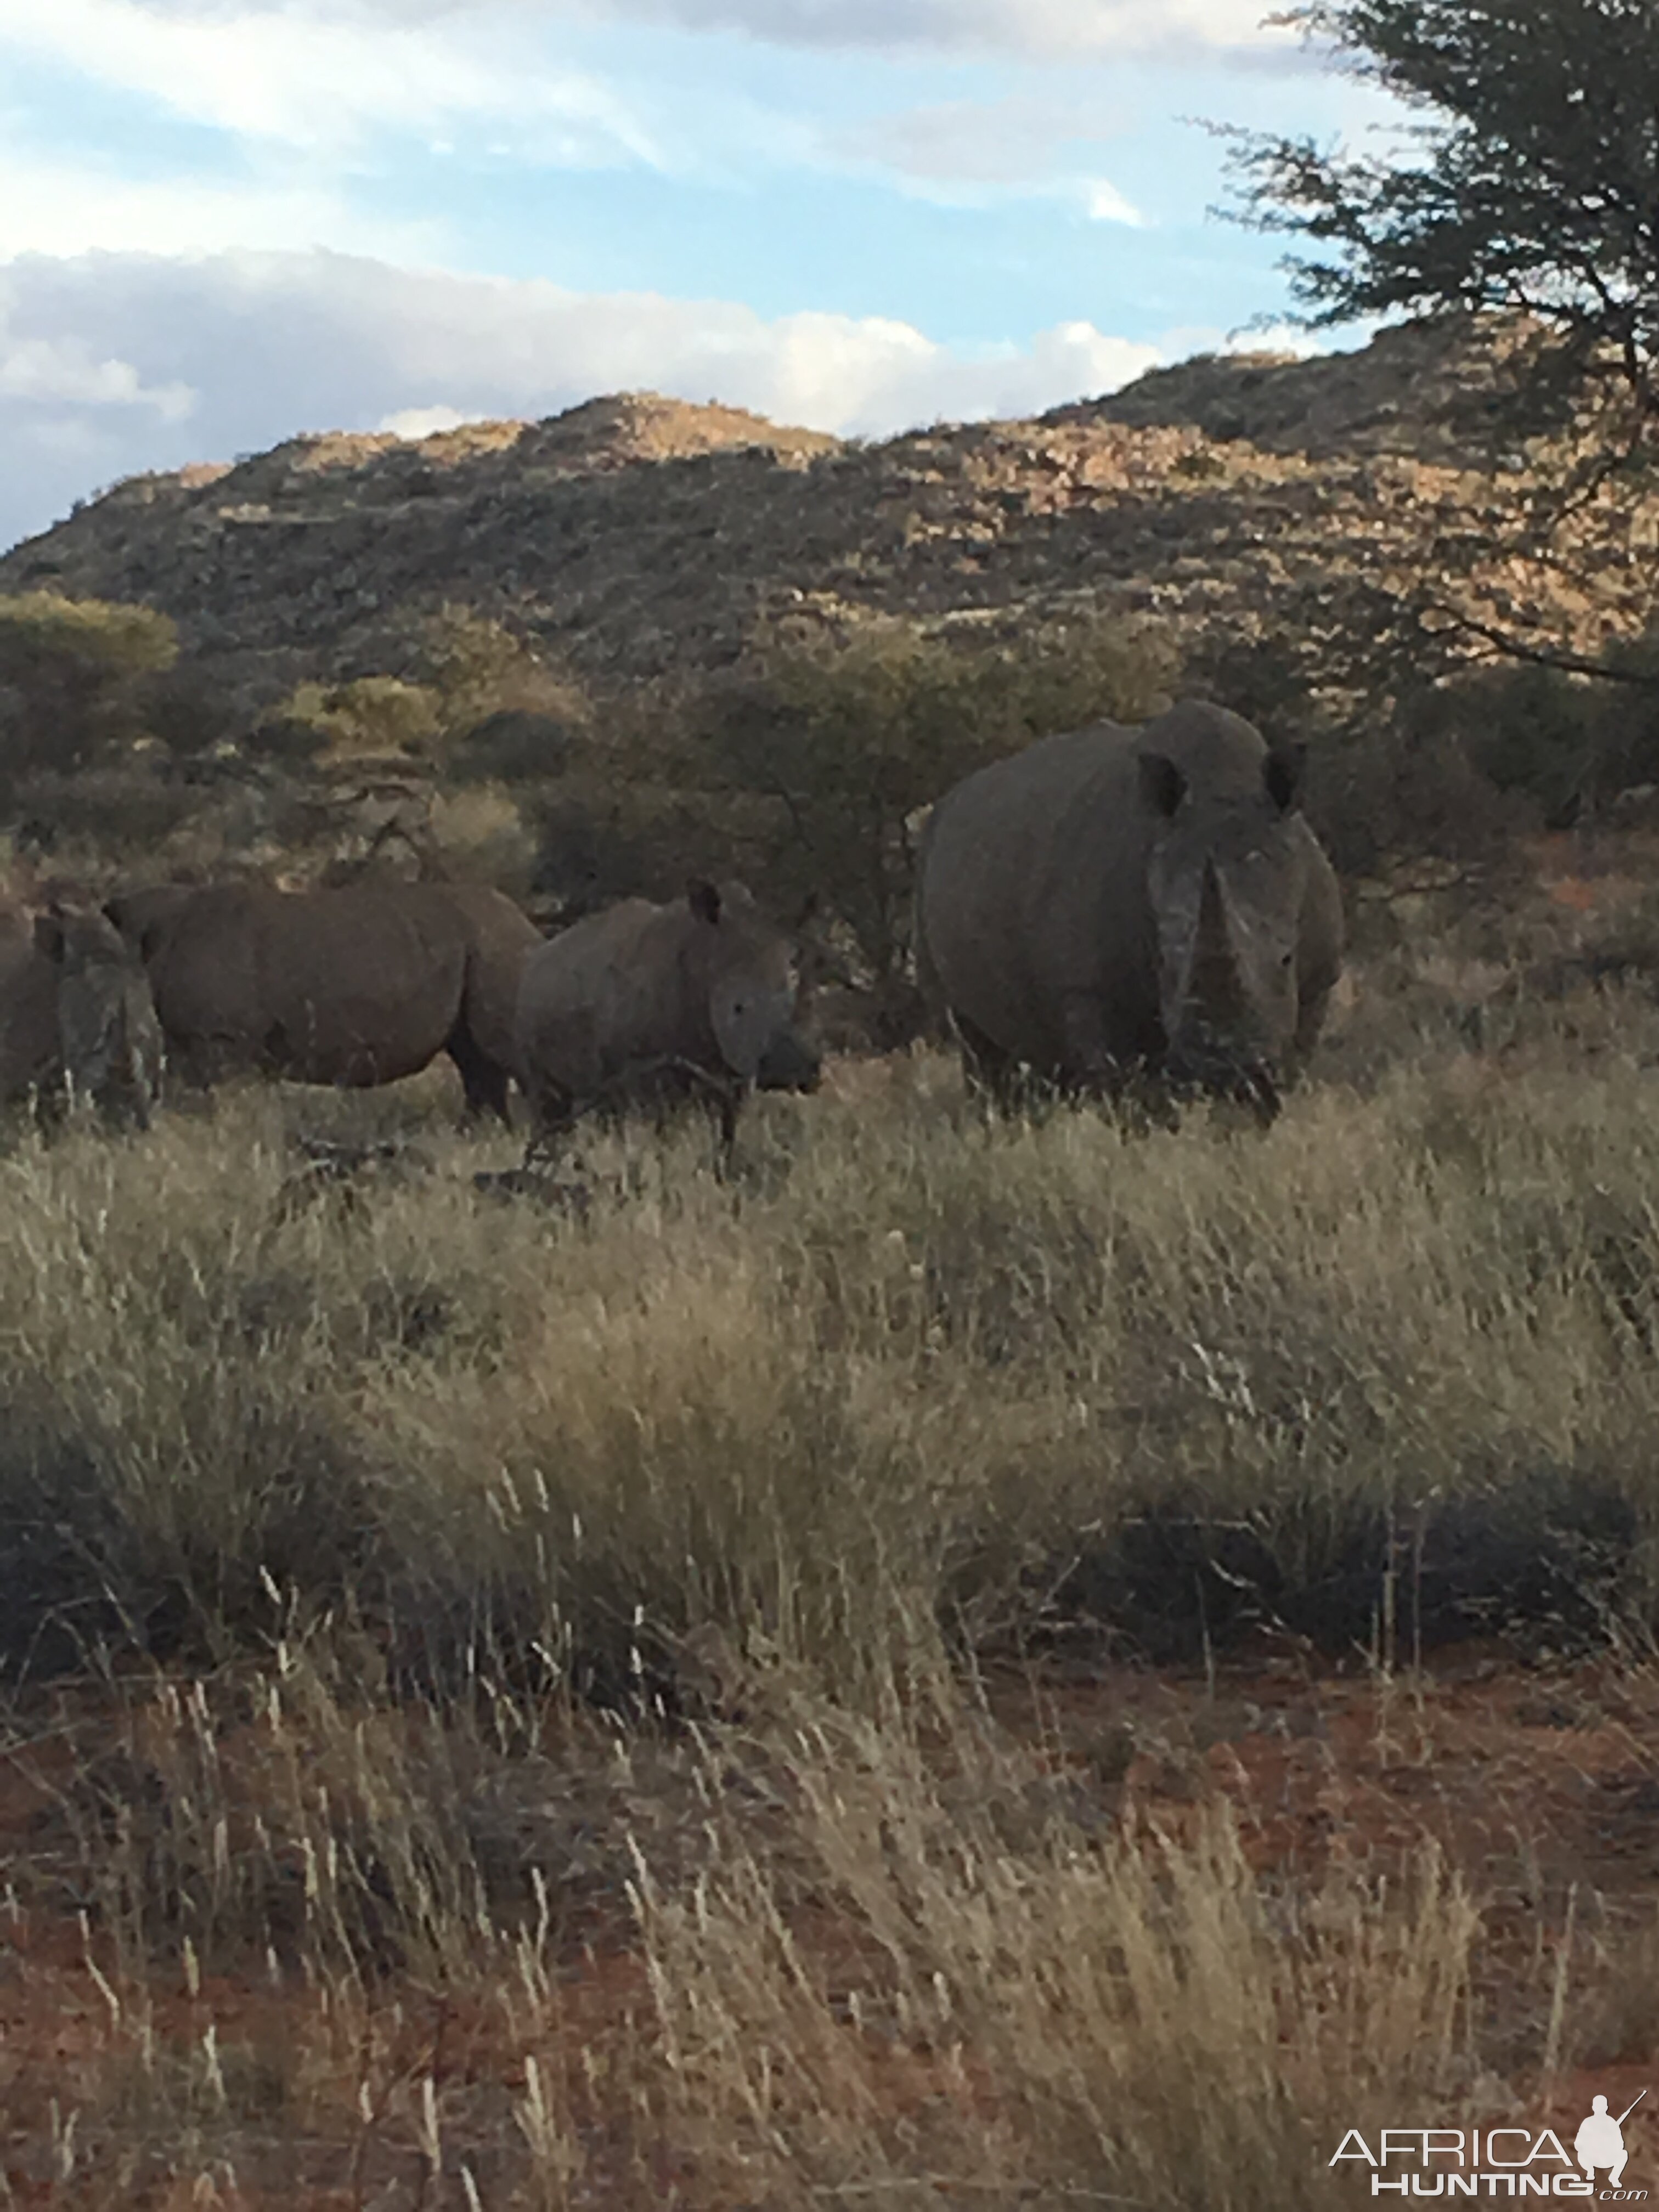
x=1600, y=2140
x=1500, y=2161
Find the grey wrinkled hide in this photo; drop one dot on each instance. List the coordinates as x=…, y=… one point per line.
x=109, y=1037
x=30, y=1055
x=355, y=986
x=661, y=1006
x=1119, y=904
x=75, y=1014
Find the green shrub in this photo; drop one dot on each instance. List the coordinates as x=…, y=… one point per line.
x=73, y=675
x=851, y=735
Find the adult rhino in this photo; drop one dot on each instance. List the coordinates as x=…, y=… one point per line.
x=355, y=986
x=75, y=1012
x=1116, y=903
x=659, y=1007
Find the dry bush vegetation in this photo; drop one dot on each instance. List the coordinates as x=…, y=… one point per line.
x=516, y=1708
x=577, y=613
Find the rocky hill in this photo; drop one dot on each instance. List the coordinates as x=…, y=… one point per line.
x=1237, y=497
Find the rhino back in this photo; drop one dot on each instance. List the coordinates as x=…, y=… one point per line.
x=501, y=937
x=1033, y=888
x=144, y=917
x=345, y=986
x=606, y=994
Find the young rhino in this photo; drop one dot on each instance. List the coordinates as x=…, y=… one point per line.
x=659, y=1007
x=1118, y=903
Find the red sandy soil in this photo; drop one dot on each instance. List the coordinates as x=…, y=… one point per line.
x=1542, y=1789
x=1540, y=1786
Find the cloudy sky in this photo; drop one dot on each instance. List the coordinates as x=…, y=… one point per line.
x=223, y=223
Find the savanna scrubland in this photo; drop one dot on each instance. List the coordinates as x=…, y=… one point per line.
x=973, y=1662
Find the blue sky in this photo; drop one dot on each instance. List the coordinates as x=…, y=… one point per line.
x=224, y=224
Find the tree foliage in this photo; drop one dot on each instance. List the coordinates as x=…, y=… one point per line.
x=505, y=709
x=1529, y=186
x=73, y=679
x=851, y=736
x=372, y=716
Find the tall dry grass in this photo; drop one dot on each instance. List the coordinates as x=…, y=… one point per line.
x=949, y=1987
x=317, y=1503
x=888, y=1960
x=915, y=1377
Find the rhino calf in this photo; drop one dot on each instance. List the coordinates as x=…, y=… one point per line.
x=659, y=1007
x=1117, y=904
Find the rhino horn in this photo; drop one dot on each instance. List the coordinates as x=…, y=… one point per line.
x=1212, y=942
x=1214, y=976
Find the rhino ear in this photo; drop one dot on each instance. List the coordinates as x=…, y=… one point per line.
x=703, y=899
x=1282, y=773
x=1163, y=785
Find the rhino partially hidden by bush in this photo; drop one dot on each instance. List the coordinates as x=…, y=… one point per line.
x=77, y=1019
x=112, y=1049
x=1117, y=905
x=355, y=986
x=28, y=1005
x=657, y=1006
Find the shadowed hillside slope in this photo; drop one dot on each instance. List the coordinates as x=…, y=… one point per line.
x=1236, y=498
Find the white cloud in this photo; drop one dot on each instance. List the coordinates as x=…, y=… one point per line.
x=1037, y=28
x=421, y=421
x=1107, y=204
x=1019, y=139
x=321, y=76
x=64, y=372
x=974, y=153
x=1181, y=343
x=273, y=344
x=59, y=208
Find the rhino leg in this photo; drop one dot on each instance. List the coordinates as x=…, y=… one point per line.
x=1310, y=1020
x=991, y=1073
x=724, y=1105
x=483, y=1080
x=554, y=1112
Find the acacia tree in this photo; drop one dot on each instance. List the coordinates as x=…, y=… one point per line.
x=1523, y=184
x=72, y=679
x=851, y=733
x=1529, y=186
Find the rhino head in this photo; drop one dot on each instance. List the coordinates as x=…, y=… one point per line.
x=111, y=1042
x=78, y=939
x=1225, y=877
x=754, y=997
